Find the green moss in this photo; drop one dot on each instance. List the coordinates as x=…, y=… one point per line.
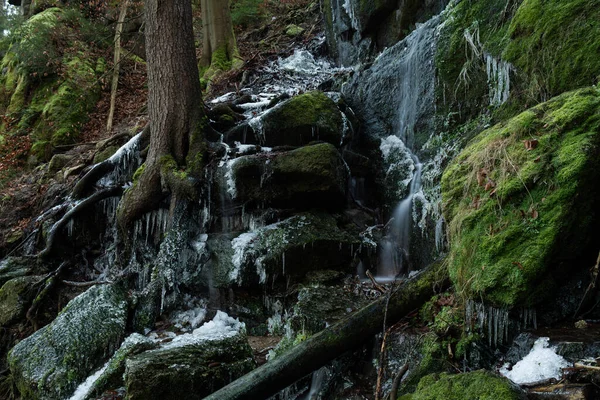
x=302, y=119
x=481, y=385
x=51, y=84
x=556, y=43
x=514, y=198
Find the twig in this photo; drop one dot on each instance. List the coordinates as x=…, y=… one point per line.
x=86, y=284
x=375, y=284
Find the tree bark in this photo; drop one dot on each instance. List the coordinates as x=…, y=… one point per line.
x=346, y=335
x=219, y=48
x=116, y=65
x=174, y=105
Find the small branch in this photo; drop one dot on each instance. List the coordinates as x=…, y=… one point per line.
x=583, y=366
x=117, y=61
x=397, y=380
x=86, y=284
x=93, y=199
x=375, y=284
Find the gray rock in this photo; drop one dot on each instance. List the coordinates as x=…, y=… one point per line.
x=188, y=371
x=54, y=360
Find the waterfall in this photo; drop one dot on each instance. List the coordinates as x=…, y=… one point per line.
x=395, y=247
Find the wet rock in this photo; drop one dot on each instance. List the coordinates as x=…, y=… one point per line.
x=311, y=176
x=320, y=306
x=15, y=298
x=282, y=252
x=54, y=360
x=188, y=371
x=15, y=267
x=112, y=376
x=301, y=120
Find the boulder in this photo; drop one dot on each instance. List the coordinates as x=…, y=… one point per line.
x=284, y=252
x=193, y=365
x=51, y=363
x=311, y=176
x=15, y=267
x=482, y=385
x=15, y=298
x=521, y=201
x=300, y=120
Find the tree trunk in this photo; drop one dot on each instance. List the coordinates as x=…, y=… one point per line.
x=174, y=106
x=116, y=65
x=346, y=335
x=219, y=48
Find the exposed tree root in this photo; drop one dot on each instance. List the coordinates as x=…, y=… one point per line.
x=84, y=204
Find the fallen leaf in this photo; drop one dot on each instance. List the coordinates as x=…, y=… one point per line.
x=534, y=214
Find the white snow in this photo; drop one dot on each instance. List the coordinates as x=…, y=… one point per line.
x=540, y=364
x=221, y=327
x=83, y=389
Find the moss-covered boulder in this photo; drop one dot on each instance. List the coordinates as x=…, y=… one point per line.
x=311, y=176
x=188, y=369
x=112, y=374
x=320, y=306
x=15, y=298
x=301, y=120
x=521, y=200
x=54, y=360
x=284, y=252
x=480, y=385
x=15, y=267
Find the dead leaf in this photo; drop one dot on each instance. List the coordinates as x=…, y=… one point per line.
x=518, y=264
x=490, y=184
x=534, y=214
x=530, y=144
x=493, y=192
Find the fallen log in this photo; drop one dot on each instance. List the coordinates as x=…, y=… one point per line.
x=330, y=343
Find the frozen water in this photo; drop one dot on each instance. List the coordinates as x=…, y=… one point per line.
x=540, y=364
x=84, y=388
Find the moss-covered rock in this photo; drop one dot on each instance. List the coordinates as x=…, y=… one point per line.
x=481, y=385
x=521, y=199
x=54, y=360
x=15, y=267
x=311, y=176
x=112, y=376
x=284, y=251
x=188, y=371
x=15, y=298
x=301, y=120
x=320, y=306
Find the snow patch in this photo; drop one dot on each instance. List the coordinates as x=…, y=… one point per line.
x=540, y=364
x=221, y=327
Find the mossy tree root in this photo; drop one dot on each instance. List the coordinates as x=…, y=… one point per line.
x=346, y=335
